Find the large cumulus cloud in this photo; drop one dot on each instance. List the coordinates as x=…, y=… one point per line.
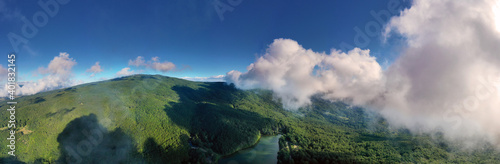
x=447, y=79
x=295, y=74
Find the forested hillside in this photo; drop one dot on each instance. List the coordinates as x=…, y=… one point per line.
x=158, y=119
x=143, y=118
x=337, y=133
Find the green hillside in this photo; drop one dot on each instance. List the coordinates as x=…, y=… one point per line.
x=149, y=118
x=158, y=119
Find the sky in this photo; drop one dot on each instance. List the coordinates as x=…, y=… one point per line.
x=201, y=38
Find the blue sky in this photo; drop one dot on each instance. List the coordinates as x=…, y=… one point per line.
x=188, y=33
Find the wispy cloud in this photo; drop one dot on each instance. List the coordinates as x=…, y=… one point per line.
x=217, y=78
x=138, y=62
x=95, y=69
x=154, y=64
x=125, y=72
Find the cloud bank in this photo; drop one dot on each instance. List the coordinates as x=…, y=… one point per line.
x=447, y=79
x=449, y=76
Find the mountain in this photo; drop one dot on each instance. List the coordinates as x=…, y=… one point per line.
x=158, y=119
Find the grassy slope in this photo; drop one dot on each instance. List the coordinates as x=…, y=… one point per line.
x=154, y=118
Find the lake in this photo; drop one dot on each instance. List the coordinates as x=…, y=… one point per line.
x=265, y=152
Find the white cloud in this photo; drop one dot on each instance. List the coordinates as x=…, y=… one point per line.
x=58, y=74
x=447, y=79
x=95, y=69
x=139, y=61
x=125, y=72
x=217, y=78
x=60, y=65
x=295, y=74
x=496, y=12
x=154, y=64
x=162, y=67
x=447, y=76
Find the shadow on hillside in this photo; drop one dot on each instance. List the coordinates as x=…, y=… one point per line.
x=189, y=98
x=153, y=152
x=38, y=100
x=60, y=112
x=11, y=160
x=84, y=140
x=213, y=119
x=215, y=92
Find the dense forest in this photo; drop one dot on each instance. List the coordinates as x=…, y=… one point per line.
x=158, y=119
